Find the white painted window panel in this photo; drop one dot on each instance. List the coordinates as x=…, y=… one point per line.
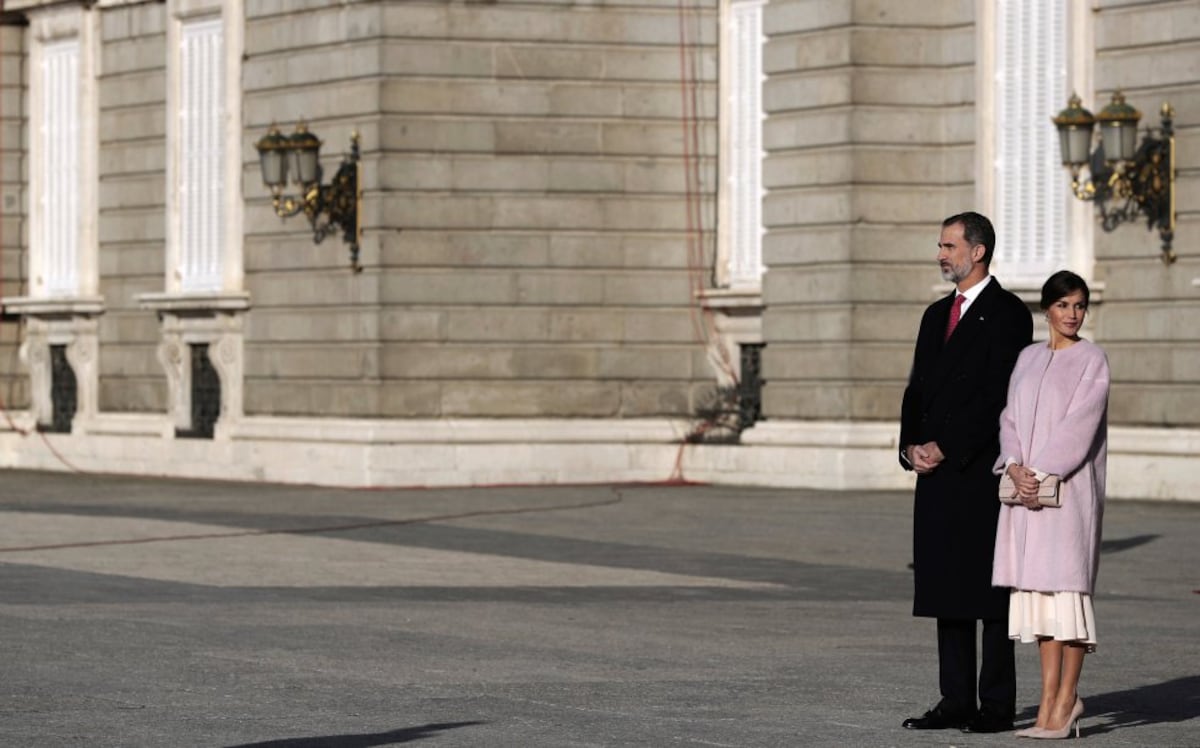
x=59, y=198
x=201, y=155
x=1031, y=86
x=745, y=156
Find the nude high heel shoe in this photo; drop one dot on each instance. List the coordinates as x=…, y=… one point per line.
x=1065, y=730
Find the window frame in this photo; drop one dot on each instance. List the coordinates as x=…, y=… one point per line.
x=740, y=196
x=79, y=280
x=227, y=278
x=1077, y=251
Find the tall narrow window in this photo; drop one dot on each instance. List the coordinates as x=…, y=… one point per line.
x=202, y=300
x=63, y=300
x=1031, y=85
x=202, y=155
x=57, y=231
x=742, y=118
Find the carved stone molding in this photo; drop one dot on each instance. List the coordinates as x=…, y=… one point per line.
x=736, y=319
x=78, y=332
x=227, y=356
x=175, y=358
x=83, y=353
x=215, y=321
x=35, y=354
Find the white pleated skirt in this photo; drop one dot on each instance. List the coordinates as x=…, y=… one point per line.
x=1062, y=616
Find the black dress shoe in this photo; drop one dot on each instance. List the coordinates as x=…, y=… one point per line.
x=988, y=722
x=938, y=718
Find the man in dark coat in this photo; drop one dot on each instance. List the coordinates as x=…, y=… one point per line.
x=949, y=434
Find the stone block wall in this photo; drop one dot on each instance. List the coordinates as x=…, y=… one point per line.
x=526, y=244
x=525, y=216
x=870, y=139
x=1147, y=322
x=870, y=144
x=132, y=229
x=312, y=334
x=14, y=385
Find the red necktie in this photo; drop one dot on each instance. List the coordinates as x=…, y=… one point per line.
x=955, y=314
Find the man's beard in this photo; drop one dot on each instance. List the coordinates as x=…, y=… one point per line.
x=955, y=273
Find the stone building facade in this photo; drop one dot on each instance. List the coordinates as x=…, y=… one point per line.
x=600, y=241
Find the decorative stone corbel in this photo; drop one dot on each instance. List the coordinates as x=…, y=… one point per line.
x=35, y=354
x=226, y=355
x=83, y=351
x=176, y=360
x=215, y=321
x=737, y=319
x=71, y=323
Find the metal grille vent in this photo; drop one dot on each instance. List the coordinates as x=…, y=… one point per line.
x=63, y=391
x=749, y=391
x=206, y=394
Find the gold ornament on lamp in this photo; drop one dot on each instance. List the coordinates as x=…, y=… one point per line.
x=1126, y=181
x=329, y=208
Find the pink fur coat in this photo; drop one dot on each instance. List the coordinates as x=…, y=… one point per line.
x=1055, y=422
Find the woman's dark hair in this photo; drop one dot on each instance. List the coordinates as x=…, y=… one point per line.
x=1063, y=283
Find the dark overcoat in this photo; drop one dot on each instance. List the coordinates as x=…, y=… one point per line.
x=955, y=394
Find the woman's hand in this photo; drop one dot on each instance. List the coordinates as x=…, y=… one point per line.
x=1027, y=485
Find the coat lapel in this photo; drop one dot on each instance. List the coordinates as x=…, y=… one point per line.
x=972, y=323
x=973, y=319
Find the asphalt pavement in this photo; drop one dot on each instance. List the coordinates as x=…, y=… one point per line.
x=144, y=612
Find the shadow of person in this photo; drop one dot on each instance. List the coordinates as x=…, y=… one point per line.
x=392, y=737
x=1172, y=701
x=1116, y=545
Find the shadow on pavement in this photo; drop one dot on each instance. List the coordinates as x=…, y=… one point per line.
x=1172, y=701
x=1116, y=545
x=392, y=737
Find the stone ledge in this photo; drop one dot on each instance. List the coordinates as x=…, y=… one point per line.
x=1156, y=464
x=359, y=465
x=862, y=435
x=459, y=431
x=53, y=306
x=195, y=302
x=732, y=299
x=1133, y=440
x=126, y=424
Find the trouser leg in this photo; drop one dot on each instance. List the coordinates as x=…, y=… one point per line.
x=998, y=671
x=956, y=663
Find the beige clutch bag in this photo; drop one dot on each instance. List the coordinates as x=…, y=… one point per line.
x=1048, y=493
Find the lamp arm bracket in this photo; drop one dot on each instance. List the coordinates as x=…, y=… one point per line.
x=287, y=206
x=1142, y=182
x=329, y=208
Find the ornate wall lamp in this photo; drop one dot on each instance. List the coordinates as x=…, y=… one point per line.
x=1128, y=181
x=330, y=207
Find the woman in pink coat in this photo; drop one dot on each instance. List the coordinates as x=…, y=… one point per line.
x=1055, y=423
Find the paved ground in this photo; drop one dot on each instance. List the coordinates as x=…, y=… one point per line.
x=166, y=613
